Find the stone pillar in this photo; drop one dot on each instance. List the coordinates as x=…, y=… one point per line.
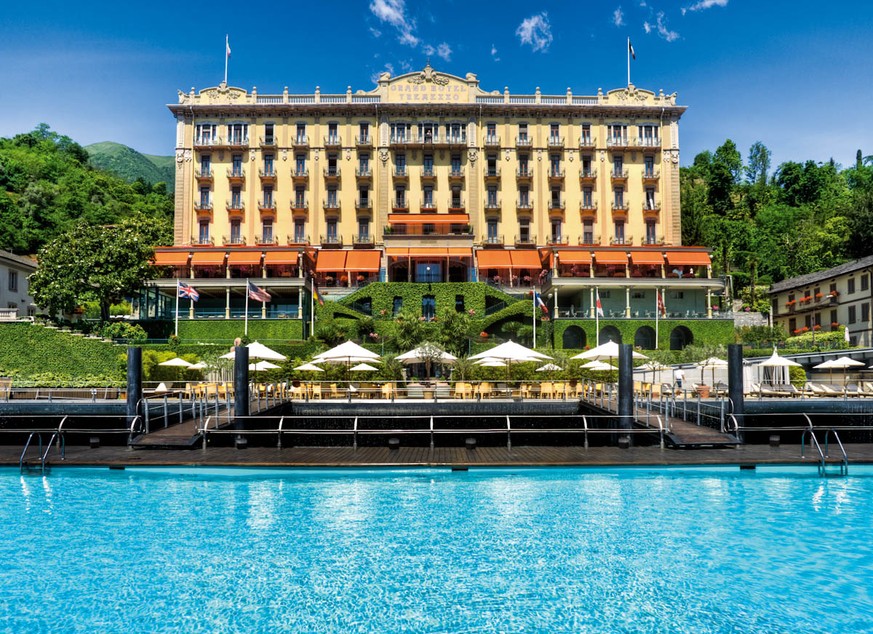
x=625, y=386
x=134, y=383
x=735, y=383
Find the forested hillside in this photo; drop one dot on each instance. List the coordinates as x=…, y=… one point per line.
x=130, y=165
x=765, y=226
x=47, y=185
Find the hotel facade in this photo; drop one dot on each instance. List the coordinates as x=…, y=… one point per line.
x=428, y=178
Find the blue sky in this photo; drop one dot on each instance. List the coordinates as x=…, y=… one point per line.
x=795, y=75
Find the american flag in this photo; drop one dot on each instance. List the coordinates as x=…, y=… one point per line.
x=258, y=294
x=188, y=292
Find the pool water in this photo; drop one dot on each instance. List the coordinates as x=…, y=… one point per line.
x=521, y=550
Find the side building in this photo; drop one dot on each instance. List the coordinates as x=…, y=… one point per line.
x=15, y=298
x=827, y=300
x=430, y=179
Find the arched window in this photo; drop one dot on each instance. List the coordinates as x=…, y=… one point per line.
x=609, y=333
x=680, y=337
x=574, y=338
x=645, y=338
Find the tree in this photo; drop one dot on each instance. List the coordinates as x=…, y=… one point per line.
x=759, y=164
x=90, y=262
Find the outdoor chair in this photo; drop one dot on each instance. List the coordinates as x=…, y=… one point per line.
x=547, y=390
x=484, y=390
x=443, y=390
x=316, y=391
x=388, y=391
x=415, y=390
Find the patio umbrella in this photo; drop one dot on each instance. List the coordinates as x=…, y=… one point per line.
x=712, y=363
x=602, y=367
x=841, y=363
x=511, y=351
x=492, y=363
x=549, y=367
x=348, y=352
x=198, y=366
x=363, y=367
x=262, y=366
x=595, y=365
x=258, y=351
x=176, y=362
x=608, y=350
x=775, y=361
x=427, y=353
x=653, y=367
x=309, y=367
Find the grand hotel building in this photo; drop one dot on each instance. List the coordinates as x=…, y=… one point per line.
x=429, y=178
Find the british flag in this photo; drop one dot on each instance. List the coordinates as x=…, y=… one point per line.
x=188, y=292
x=258, y=294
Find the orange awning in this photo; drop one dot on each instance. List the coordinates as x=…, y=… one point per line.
x=331, y=261
x=208, y=258
x=397, y=252
x=525, y=260
x=280, y=257
x=610, y=257
x=566, y=256
x=429, y=219
x=498, y=259
x=688, y=258
x=647, y=257
x=171, y=258
x=242, y=258
x=364, y=260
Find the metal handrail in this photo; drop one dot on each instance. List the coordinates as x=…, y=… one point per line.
x=24, y=451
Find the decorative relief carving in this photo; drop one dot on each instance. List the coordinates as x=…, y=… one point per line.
x=285, y=154
x=539, y=155
x=429, y=75
x=472, y=155
x=348, y=154
x=383, y=156
x=507, y=155
x=315, y=154
x=252, y=155
x=187, y=156
x=180, y=156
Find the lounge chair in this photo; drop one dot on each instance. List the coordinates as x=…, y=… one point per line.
x=442, y=391
x=415, y=390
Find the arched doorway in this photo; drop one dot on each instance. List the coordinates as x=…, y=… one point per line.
x=645, y=338
x=573, y=338
x=609, y=333
x=680, y=337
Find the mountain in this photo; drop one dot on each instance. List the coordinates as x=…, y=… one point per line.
x=129, y=164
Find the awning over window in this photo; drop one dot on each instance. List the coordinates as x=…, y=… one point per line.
x=428, y=219
x=244, y=258
x=331, y=261
x=280, y=257
x=208, y=258
x=497, y=259
x=525, y=260
x=688, y=258
x=364, y=260
x=611, y=257
x=566, y=256
x=171, y=258
x=647, y=257
x=429, y=252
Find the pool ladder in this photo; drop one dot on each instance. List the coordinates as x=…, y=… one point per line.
x=42, y=465
x=823, y=454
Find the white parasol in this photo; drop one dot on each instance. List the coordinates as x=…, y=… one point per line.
x=176, y=362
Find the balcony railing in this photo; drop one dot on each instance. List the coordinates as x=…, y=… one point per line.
x=332, y=241
x=299, y=174
x=526, y=241
x=267, y=174
x=620, y=207
x=203, y=174
x=235, y=205
x=524, y=173
x=267, y=205
x=588, y=240
x=649, y=142
x=456, y=205
x=492, y=240
x=556, y=141
x=400, y=204
x=332, y=140
x=525, y=205
x=622, y=240
x=557, y=240
x=456, y=173
x=267, y=241
x=236, y=175
x=364, y=173
x=492, y=204
x=651, y=175
x=299, y=204
x=654, y=241
x=202, y=242
x=234, y=241
x=301, y=140
x=556, y=174
x=455, y=139
x=401, y=172
x=298, y=238
x=363, y=204
x=202, y=206
x=588, y=175
x=556, y=205
x=427, y=173
x=332, y=173
x=399, y=139
x=492, y=173
x=588, y=209
x=364, y=140
x=652, y=208
x=267, y=141
x=586, y=142
x=428, y=206
x=523, y=141
x=618, y=174
x=492, y=140
x=363, y=239
x=425, y=229
x=616, y=141
x=331, y=204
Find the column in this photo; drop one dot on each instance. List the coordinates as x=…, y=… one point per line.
x=227, y=303
x=591, y=301
x=708, y=304
x=627, y=308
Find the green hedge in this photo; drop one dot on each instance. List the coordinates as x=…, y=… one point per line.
x=226, y=330
x=704, y=332
x=53, y=358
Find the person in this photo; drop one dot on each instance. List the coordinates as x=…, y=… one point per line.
x=678, y=377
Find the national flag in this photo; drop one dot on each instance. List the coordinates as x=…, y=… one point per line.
x=539, y=300
x=258, y=294
x=598, y=305
x=188, y=292
x=227, y=45
x=630, y=49
x=661, y=308
x=317, y=296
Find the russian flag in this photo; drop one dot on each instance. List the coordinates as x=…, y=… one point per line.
x=539, y=300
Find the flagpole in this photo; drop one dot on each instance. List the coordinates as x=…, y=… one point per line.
x=534, y=316
x=176, y=330
x=312, y=310
x=628, y=64
x=657, y=314
x=226, y=57
x=597, y=309
x=246, y=331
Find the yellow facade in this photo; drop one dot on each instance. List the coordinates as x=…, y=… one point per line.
x=371, y=168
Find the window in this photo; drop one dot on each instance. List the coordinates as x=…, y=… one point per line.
x=268, y=134
x=586, y=165
x=301, y=133
x=203, y=235
x=332, y=134
x=456, y=164
x=300, y=165
x=204, y=197
x=587, y=198
x=554, y=133
x=555, y=164
x=833, y=287
x=491, y=197
x=455, y=132
x=268, y=165
x=400, y=196
x=331, y=197
x=268, y=196
x=556, y=198
x=428, y=132
x=364, y=197
x=522, y=132
x=400, y=164
x=650, y=198
x=267, y=230
x=617, y=165
x=557, y=225
x=300, y=197
x=13, y=281
x=865, y=312
x=205, y=165
x=399, y=132
x=491, y=165
x=363, y=164
x=792, y=325
x=618, y=228
x=651, y=232
x=428, y=306
x=492, y=231
x=459, y=303
x=427, y=165
x=237, y=133
x=299, y=231
x=397, y=306
x=332, y=169
x=617, y=134
x=649, y=166
x=236, y=198
x=618, y=197
x=491, y=133
x=523, y=165
x=588, y=232
x=330, y=227
x=236, y=165
x=456, y=198
x=205, y=134
x=523, y=197
x=585, y=134
x=364, y=132
x=865, y=282
x=852, y=315
x=427, y=196
x=649, y=135
x=834, y=317
x=235, y=231
x=363, y=229
x=851, y=285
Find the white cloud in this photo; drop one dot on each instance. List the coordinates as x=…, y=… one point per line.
x=494, y=53
x=444, y=51
x=705, y=4
x=394, y=13
x=375, y=32
x=375, y=76
x=647, y=27
x=618, y=17
x=661, y=26
x=536, y=31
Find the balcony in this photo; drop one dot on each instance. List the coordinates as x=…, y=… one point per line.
x=331, y=204
x=524, y=174
x=620, y=208
x=651, y=176
x=492, y=175
x=528, y=241
x=618, y=175
x=588, y=176
x=556, y=142
x=202, y=206
x=267, y=206
x=236, y=176
x=299, y=175
x=456, y=174
x=237, y=142
x=457, y=206
x=452, y=140
x=651, y=210
x=299, y=205
x=267, y=175
x=235, y=207
x=618, y=142
x=233, y=241
x=428, y=174
x=493, y=205
x=587, y=210
x=298, y=239
x=400, y=205
x=332, y=242
x=365, y=174
x=332, y=141
x=365, y=204
x=331, y=174
x=587, y=142
x=556, y=175
x=207, y=142
x=523, y=141
x=557, y=240
x=492, y=241
x=363, y=240
x=492, y=141
x=589, y=240
x=399, y=139
x=401, y=173
x=301, y=141
x=267, y=241
x=556, y=206
x=524, y=205
x=428, y=207
x=267, y=141
x=621, y=240
x=202, y=242
x=653, y=142
x=655, y=241
x=203, y=176
x=400, y=231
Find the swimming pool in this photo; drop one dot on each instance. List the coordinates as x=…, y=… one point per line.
x=508, y=550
